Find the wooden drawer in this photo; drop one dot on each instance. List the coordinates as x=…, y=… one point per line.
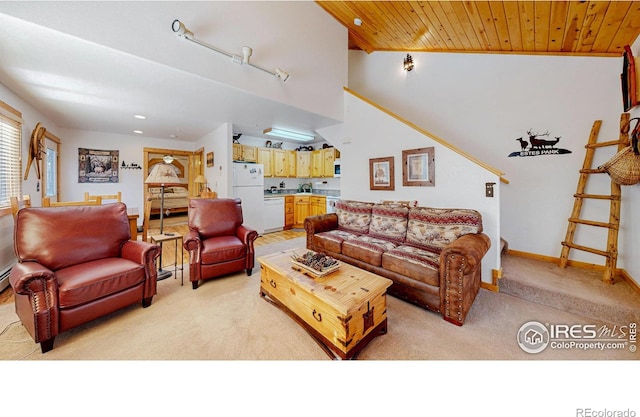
x=288, y=219
x=341, y=328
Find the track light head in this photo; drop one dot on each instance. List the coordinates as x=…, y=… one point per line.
x=182, y=31
x=246, y=54
x=282, y=75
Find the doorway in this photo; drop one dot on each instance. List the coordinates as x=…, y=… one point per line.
x=187, y=165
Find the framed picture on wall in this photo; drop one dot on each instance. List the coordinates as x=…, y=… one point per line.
x=381, y=174
x=418, y=167
x=210, y=159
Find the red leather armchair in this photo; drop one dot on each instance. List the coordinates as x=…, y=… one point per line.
x=76, y=264
x=217, y=241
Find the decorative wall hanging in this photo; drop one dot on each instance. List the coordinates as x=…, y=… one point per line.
x=97, y=166
x=624, y=167
x=419, y=167
x=36, y=149
x=132, y=165
x=209, y=159
x=628, y=80
x=381, y=174
x=537, y=146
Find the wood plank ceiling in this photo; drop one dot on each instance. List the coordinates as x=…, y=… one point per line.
x=594, y=28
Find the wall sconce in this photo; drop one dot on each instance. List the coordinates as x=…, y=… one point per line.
x=181, y=30
x=408, y=63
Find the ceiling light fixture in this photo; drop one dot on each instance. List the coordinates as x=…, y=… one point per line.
x=139, y=116
x=408, y=63
x=287, y=134
x=181, y=30
x=139, y=132
x=357, y=21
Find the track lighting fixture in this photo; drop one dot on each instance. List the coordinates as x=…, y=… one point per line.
x=408, y=63
x=181, y=30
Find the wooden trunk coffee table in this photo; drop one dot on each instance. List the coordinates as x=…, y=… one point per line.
x=342, y=311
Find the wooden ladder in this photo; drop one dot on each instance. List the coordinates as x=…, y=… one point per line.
x=611, y=252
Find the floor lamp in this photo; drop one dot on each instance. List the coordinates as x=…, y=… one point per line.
x=163, y=175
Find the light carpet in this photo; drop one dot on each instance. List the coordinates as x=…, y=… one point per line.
x=226, y=319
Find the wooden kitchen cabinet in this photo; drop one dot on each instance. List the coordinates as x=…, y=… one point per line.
x=280, y=163
x=237, y=152
x=318, y=205
x=303, y=164
x=292, y=157
x=249, y=153
x=244, y=153
x=317, y=164
x=301, y=210
x=289, y=219
x=329, y=156
x=265, y=157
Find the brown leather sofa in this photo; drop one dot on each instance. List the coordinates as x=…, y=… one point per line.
x=217, y=241
x=76, y=264
x=432, y=255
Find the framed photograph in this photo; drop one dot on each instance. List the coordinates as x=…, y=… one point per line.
x=381, y=174
x=418, y=167
x=98, y=166
x=210, y=159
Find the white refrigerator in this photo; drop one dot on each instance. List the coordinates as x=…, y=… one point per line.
x=248, y=185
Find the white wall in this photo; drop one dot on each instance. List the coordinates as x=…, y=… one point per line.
x=218, y=176
x=482, y=103
x=459, y=183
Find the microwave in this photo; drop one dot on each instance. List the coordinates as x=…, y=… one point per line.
x=336, y=168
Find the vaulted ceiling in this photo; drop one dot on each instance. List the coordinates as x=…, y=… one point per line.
x=596, y=28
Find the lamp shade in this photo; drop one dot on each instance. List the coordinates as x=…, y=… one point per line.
x=200, y=180
x=163, y=174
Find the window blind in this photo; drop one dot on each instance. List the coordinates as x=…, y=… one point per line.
x=10, y=154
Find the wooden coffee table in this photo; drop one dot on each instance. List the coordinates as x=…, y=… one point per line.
x=342, y=311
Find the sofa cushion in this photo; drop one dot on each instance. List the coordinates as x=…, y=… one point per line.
x=332, y=240
x=389, y=222
x=419, y=264
x=354, y=216
x=367, y=249
x=86, y=282
x=222, y=249
x=215, y=217
x=434, y=228
x=58, y=237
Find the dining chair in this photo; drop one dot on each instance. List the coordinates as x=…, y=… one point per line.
x=46, y=202
x=117, y=197
x=17, y=204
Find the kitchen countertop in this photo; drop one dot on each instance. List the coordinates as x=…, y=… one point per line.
x=283, y=191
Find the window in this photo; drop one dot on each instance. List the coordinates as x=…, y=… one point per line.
x=10, y=160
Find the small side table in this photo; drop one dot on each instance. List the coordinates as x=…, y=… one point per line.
x=177, y=238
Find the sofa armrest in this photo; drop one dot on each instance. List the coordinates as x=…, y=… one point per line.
x=460, y=275
x=470, y=249
x=144, y=253
x=39, y=284
x=321, y=223
x=28, y=277
x=246, y=235
x=192, y=241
